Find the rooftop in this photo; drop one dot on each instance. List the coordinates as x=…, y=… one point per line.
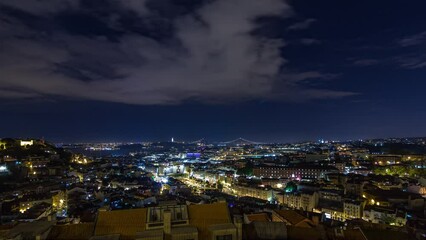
x=291, y=216
x=72, y=231
x=124, y=222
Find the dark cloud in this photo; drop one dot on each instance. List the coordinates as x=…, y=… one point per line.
x=365, y=62
x=41, y=6
x=302, y=25
x=411, y=61
x=146, y=52
x=413, y=40
x=414, y=48
x=310, y=41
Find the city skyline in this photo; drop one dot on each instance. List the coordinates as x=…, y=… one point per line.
x=240, y=141
x=278, y=71
x=212, y=120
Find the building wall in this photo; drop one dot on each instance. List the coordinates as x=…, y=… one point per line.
x=24, y=206
x=3, y=145
x=381, y=217
x=243, y=191
x=217, y=233
x=354, y=188
x=418, y=203
x=25, y=143
x=192, y=236
x=332, y=196
x=334, y=214
x=352, y=210
x=291, y=172
x=304, y=201
x=159, y=237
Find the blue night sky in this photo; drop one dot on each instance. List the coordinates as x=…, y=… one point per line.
x=265, y=70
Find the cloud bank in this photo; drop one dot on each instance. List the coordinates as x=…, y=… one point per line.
x=144, y=52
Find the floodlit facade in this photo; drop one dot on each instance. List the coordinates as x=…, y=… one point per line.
x=305, y=201
x=297, y=172
x=25, y=143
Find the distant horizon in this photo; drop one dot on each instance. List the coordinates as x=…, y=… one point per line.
x=273, y=71
x=213, y=141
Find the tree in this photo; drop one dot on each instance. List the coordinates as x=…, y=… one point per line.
x=219, y=186
x=290, y=187
x=247, y=170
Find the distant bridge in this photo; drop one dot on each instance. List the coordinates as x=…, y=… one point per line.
x=241, y=141
x=202, y=140
x=238, y=141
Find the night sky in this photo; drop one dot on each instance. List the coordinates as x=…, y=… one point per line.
x=265, y=70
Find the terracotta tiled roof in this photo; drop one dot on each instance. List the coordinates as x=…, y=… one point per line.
x=128, y=222
x=258, y=217
x=291, y=216
x=205, y=215
x=265, y=230
x=109, y=237
x=73, y=231
x=124, y=222
x=301, y=233
x=376, y=234
x=353, y=234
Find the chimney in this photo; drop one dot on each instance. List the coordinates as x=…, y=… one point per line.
x=51, y=218
x=167, y=216
x=238, y=222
